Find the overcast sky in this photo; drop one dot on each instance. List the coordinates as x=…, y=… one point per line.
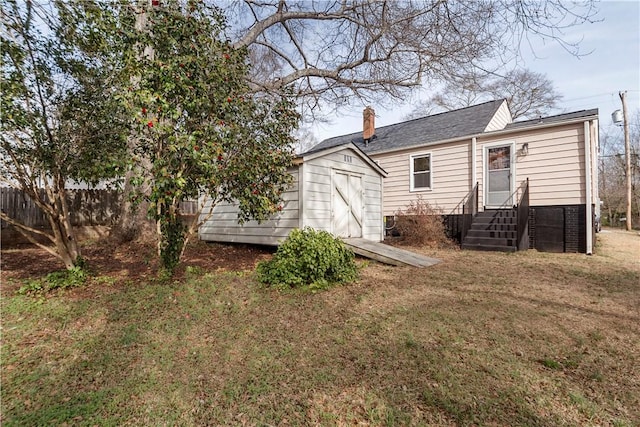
x=591, y=81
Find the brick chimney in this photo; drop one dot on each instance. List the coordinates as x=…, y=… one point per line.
x=368, y=124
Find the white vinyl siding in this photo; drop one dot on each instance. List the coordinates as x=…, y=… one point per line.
x=450, y=176
x=500, y=119
x=554, y=164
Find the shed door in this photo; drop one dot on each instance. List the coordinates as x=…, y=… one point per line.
x=348, y=204
x=499, y=176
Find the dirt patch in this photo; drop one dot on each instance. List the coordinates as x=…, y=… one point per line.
x=127, y=262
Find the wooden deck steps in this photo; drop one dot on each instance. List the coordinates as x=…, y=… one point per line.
x=493, y=230
x=388, y=254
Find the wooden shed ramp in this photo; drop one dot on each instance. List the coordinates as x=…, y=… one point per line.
x=388, y=254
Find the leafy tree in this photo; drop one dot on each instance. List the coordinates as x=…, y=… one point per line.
x=60, y=118
x=529, y=94
x=199, y=128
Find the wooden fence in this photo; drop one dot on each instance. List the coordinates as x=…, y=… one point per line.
x=86, y=207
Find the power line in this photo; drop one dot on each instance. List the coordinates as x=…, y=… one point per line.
x=595, y=96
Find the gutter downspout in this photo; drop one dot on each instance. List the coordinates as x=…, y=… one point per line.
x=595, y=148
x=301, y=193
x=384, y=222
x=587, y=172
x=473, y=163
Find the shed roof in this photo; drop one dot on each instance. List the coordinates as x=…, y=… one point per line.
x=321, y=151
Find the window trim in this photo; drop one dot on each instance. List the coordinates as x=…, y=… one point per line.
x=412, y=187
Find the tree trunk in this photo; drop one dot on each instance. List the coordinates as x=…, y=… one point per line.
x=66, y=247
x=63, y=236
x=133, y=222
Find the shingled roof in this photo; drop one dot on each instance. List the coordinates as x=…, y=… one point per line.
x=438, y=127
x=553, y=119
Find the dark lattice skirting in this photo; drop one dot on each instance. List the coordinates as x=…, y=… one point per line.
x=551, y=228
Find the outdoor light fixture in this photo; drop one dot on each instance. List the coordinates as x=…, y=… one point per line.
x=525, y=149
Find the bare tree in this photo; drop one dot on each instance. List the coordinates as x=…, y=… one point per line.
x=611, y=182
x=305, y=139
x=529, y=94
x=612, y=172
x=331, y=51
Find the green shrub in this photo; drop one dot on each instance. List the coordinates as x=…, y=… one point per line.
x=64, y=279
x=309, y=258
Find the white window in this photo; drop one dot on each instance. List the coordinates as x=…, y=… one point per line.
x=420, y=166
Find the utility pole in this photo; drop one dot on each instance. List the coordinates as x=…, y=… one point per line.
x=627, y=156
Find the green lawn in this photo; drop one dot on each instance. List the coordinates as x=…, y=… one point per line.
x=480, y=339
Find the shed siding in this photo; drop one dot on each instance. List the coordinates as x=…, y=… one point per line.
x=373, y=215
x=223, y=225
x=318, y=187
x=317, y=196
x=308, y=203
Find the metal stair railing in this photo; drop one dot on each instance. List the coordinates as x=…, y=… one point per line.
x=522, y=211
x=523, y=218
x=469, y=211
x=453, y=224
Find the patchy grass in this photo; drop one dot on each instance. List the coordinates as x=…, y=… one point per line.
x=480, y=339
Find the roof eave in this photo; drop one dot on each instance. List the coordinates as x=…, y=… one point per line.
x=491, y=133
x=300, y=159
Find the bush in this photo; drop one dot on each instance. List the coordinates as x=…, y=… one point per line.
x=421, y=225
x=64, y=279
x=309, y=258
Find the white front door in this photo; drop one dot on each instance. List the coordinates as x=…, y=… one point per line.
x=499, y=176
x=347, y=204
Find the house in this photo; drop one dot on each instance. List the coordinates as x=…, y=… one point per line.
x=502, y=185
x=337, y=189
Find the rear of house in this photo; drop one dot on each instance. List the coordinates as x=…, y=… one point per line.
x=477, y=156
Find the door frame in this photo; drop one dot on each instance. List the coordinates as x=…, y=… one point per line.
x=485, y=171
x=349, y=174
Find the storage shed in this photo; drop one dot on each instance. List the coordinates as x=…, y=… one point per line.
x=337, y=189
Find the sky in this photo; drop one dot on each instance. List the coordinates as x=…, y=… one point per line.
x=612, y=65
